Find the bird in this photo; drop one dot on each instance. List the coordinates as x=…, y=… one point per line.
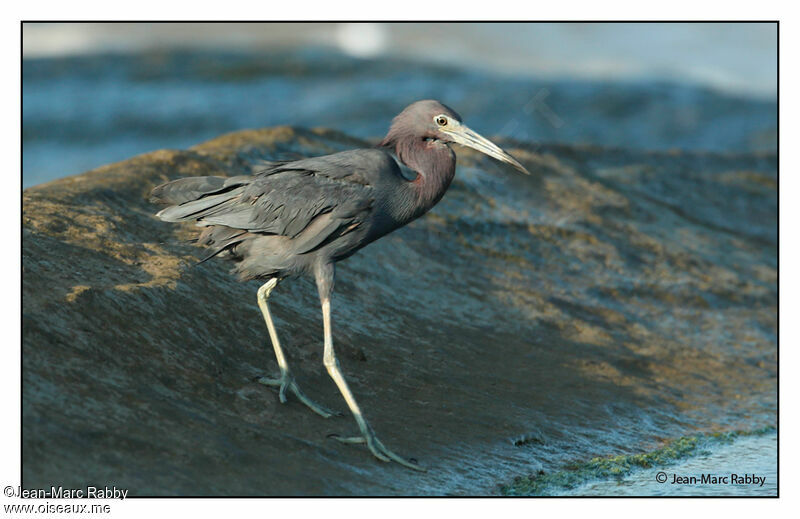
x=300, y=217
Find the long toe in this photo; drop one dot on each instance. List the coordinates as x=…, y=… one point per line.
x=378, y=449
x=287, y=383
x=281, y=383
x=347, y=439
x=267, y=381
x=314, y=406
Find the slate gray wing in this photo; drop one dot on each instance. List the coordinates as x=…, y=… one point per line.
x=285, y=200
x=360, y=166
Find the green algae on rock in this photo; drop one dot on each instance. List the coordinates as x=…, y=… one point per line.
x=619, y=466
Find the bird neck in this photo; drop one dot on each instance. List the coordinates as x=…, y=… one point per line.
x=435, y=165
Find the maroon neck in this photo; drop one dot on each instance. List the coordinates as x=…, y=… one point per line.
x=434, y=164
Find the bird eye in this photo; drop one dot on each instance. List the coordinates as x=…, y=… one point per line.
x=441, y=120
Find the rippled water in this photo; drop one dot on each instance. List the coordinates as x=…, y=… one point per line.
x=83, y=112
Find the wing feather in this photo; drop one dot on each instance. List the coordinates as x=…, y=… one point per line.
x=310, y=200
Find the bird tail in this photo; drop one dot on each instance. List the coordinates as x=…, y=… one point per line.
x=192, y=198
x=185, y=189
x=190, y=189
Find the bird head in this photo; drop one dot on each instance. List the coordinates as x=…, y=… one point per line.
x=435, y=121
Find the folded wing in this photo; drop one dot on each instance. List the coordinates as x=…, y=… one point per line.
x=311, y=201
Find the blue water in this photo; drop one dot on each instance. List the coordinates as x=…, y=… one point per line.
x=746, y=457
x=82, y=112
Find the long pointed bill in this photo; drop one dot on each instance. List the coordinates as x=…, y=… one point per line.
x=464, y=135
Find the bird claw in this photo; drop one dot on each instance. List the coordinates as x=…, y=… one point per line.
x=286, y=382
x=377, y=448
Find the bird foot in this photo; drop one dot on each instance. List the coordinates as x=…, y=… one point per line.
x=378, y=449
x=286, y=382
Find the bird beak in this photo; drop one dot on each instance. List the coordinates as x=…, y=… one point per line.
x=462, y=134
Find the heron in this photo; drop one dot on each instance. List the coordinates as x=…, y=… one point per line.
x=300, y=217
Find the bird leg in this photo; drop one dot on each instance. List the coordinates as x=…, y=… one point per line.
x=286, y=380
x=332, y=365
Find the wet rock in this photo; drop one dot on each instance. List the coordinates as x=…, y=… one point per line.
x=612, y=299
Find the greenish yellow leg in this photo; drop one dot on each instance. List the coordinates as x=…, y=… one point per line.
x=367, y=434
x=286, y=380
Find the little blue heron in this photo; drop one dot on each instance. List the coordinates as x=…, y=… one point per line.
x=302, y=216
